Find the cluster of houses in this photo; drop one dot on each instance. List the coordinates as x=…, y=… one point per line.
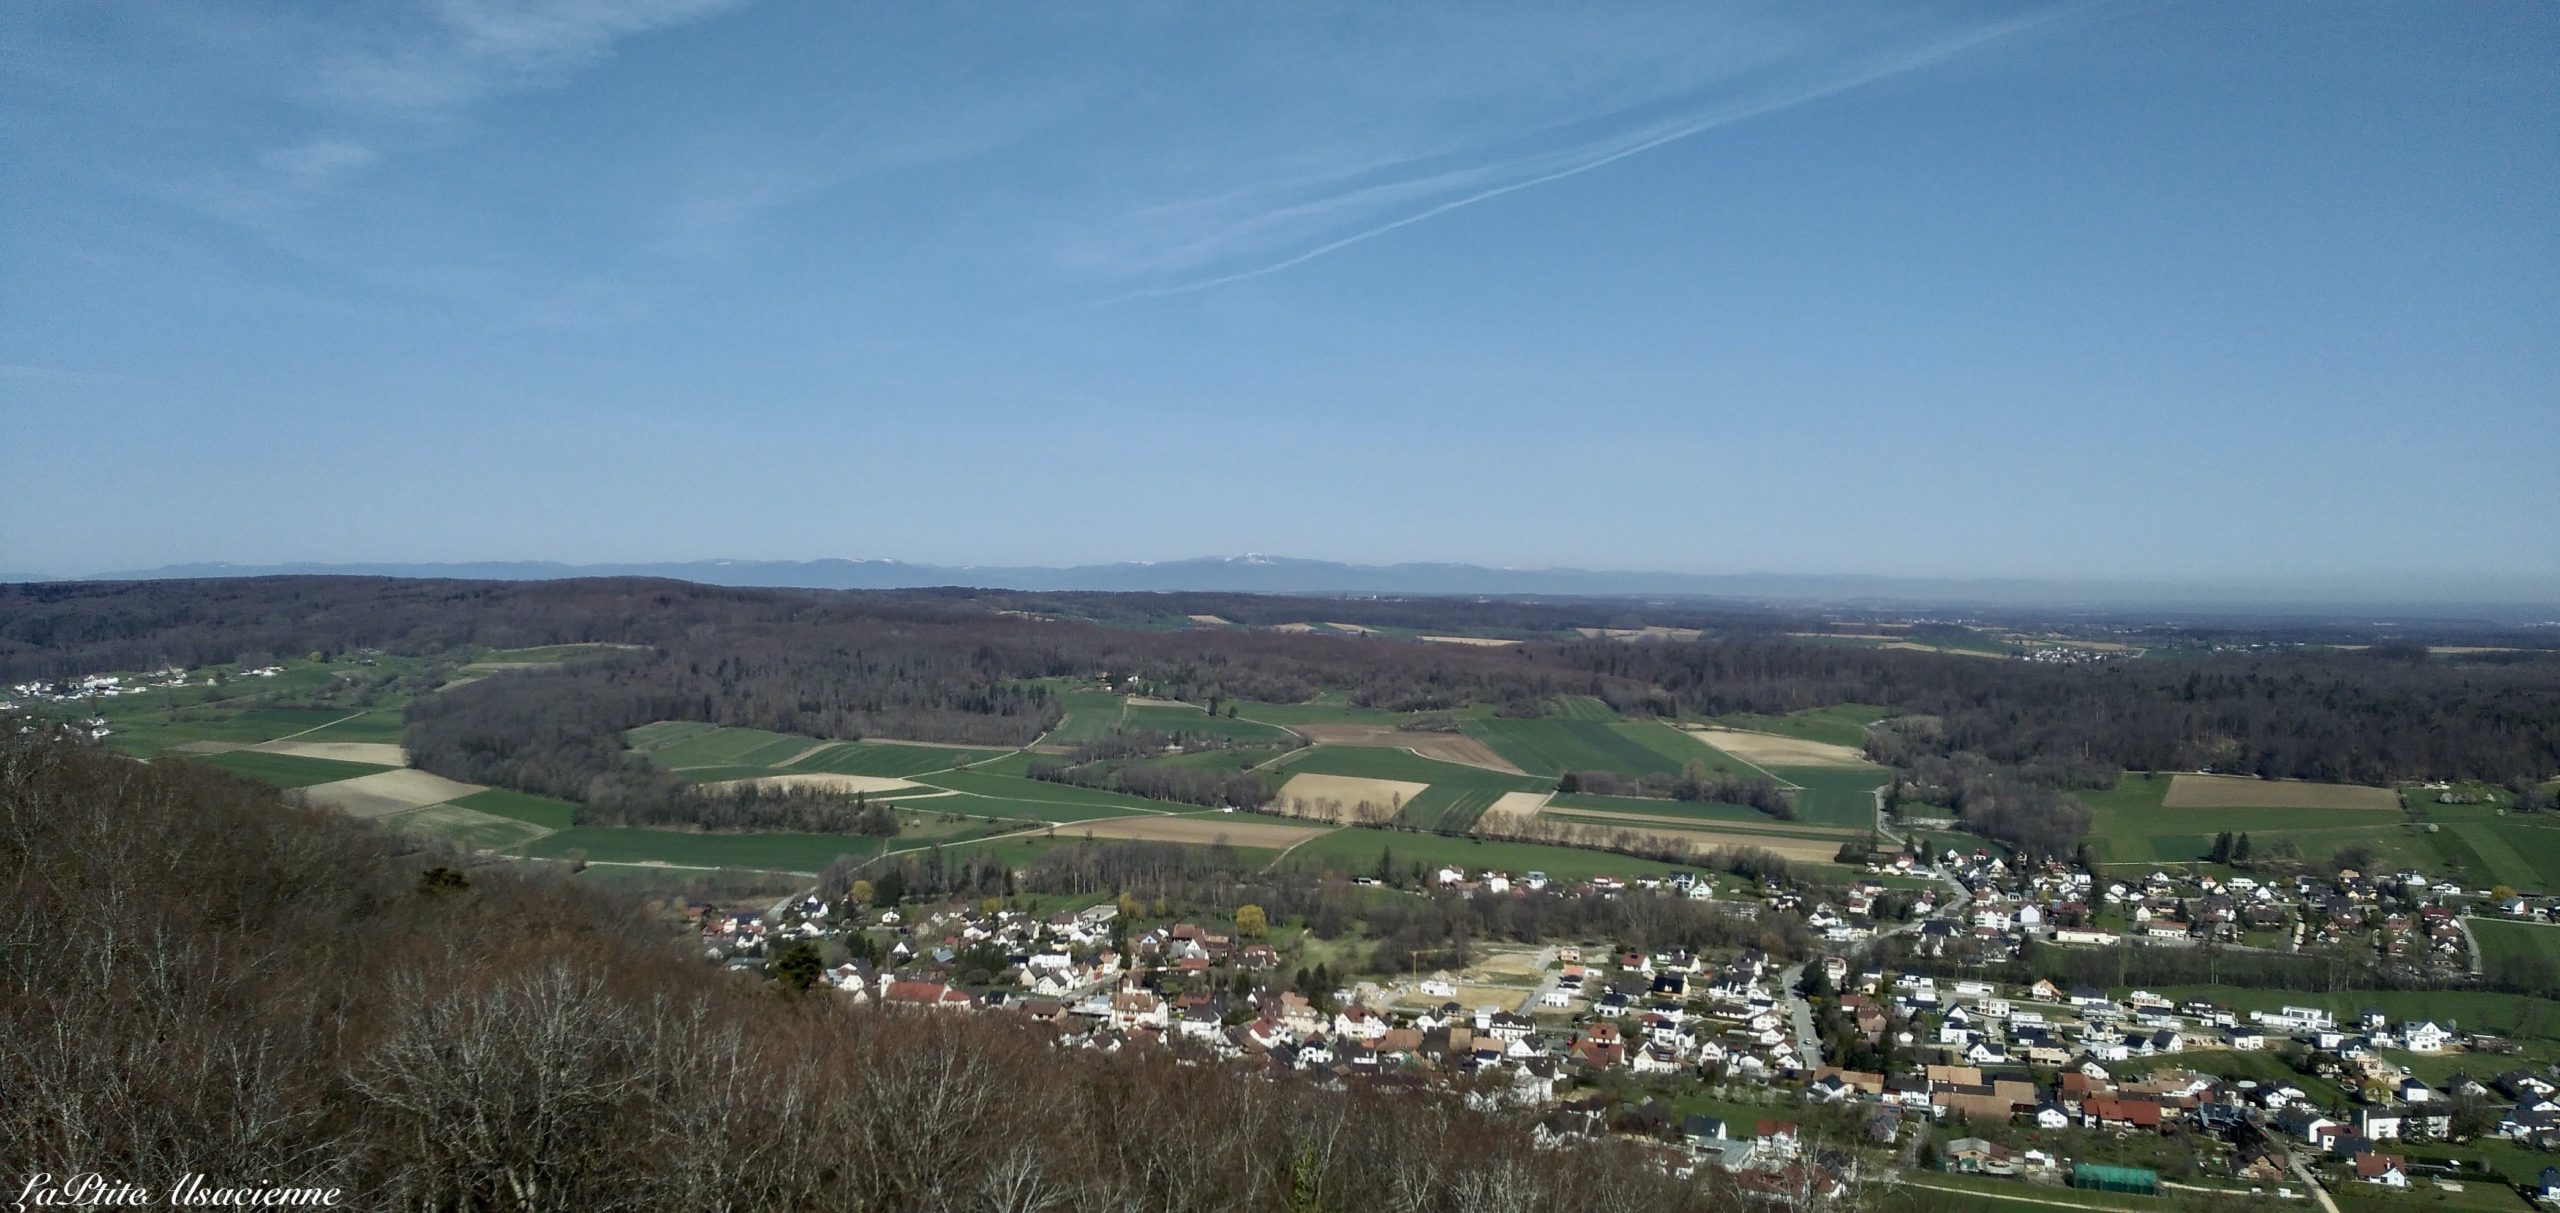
x=63, y=691
x=2402, y=914
x=1964, y=1055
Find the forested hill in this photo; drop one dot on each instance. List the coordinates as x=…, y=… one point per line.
x=198, y=977
x=947, y=665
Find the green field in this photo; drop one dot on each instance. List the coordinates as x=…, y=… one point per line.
x=2507, y=943
x=1178, y=721
x=1840, y=724
x=547, y=654
x=453, y=821
x=1550, y=747
x=1371, y=762
x=381, y=725
x=1039, y=798
x=1328, y=708
x=807, y=853
x=143, y=731
x=544, y=811
x=1584, y=707
x=1702, y=812
x=1018, y=852
x=888, y=758
x=286, y=770
x=2129, y=825
x=1090, y=716
x=718, y=746
x=1448, y=808
x=711, y=753
x=1836, y=796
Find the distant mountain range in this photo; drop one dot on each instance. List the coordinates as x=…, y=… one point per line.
x=2515, y=600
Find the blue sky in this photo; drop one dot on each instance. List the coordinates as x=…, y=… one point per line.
x=2159, y=291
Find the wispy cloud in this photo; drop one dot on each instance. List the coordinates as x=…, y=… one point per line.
x=1293, y=223
x=317, y=163
x=469, y=49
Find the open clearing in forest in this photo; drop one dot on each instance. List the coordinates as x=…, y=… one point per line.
x=1211, y=620
x=1196, y=829
x=1447, y=747
x=371, y=753
x=1772, y=750
x=2242, y=792
x=1512, y=812
x=389, y=792
x=1342, y=798
x=830, y=781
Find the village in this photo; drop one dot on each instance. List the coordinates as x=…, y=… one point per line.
x=1876, y=1061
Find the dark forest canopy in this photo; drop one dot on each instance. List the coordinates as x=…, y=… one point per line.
x=961, y=665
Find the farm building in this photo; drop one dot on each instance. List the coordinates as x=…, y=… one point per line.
x=2102, y=1178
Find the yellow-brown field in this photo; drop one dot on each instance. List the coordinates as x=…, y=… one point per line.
x=1772, y=750
x=1447, y=747
x=1344, y=798
x=2242, y=792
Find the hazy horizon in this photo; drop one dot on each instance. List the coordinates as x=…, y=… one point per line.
x=2182, y=294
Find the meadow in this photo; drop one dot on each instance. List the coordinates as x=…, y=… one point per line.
x=286, y=770
x=1368, y=762
x=1550, y=746
x=2478, y=844
x=803, y=853
x=2506, y=944
x=1840, y=724
x=1153, y=718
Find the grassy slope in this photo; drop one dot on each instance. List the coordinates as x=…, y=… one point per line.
x=287, y=770
x=1370, y=762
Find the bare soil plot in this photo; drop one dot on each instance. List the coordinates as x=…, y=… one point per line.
x=1519, y=963
x=1353, y=628
x=388, y=792
x=1293, y=628
x=1211, y=620
x=1510, y=813
x=1772, y=750
x=2243, y=792
x=828, y=781
x=1447, y=747
x=1340, y=798
x=1198, y=829
x=1479, y=641
x=374, y=753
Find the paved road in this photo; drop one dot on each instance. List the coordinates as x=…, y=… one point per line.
x=1546, y=980
x=1808, y=1042
x=2471, y=942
